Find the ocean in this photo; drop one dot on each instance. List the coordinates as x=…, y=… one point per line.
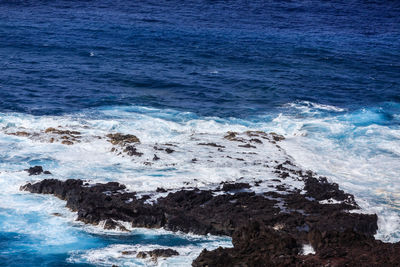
x=324, y=74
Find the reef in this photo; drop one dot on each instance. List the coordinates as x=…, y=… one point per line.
x=271, y=228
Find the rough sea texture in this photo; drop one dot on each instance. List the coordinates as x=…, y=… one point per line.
x=325, y=74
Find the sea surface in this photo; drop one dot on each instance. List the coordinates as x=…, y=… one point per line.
x=325, y=74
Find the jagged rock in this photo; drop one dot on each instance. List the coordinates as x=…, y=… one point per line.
x=165, y=253
x=169, y=150
x=68, y=137
x=234, y=186
x=61, y=132
x=142, y=255
x=267, y=229
x=161, y=190
x=132, y=151
x=255, y=140
x=232, y=136
x=20, y=133
x=247, y=146
x=277, y=137
x=126, y=142
x=321, y=189
x=128, y=252
x=211, y=144
x=254, y=245
x=110, y=224
x=122, y=139
x=67, y=142
x=36, y=170
x=157, y=253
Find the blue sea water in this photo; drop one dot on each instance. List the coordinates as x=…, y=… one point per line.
x=326, y=74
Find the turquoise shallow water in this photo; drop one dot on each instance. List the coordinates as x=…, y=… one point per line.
x=36, y=237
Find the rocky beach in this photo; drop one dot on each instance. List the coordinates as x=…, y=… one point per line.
x=298, y=219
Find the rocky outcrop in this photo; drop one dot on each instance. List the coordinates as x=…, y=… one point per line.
x=36, y=170
x=122, y=139
x=124, y=144
x=267, y=229
x=260, y=245
x=157, y=253
x=52, y=135
x=255, y=136
x=254, y=245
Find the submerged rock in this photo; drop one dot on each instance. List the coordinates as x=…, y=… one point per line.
x=132, y=151
x=157, y=253
x=20, y=133
x=232, y=136
x=251, y=137
x=211, y=144
x=124, y=143
x=163, y=253
x=36, y=170
x=122, y=139
x=234, y=186
x=66, y=137
x=169, y=150
x=61, y=132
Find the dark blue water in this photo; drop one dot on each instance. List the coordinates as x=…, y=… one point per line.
x=224, y=58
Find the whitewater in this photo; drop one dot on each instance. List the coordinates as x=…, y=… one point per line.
x=357, y=149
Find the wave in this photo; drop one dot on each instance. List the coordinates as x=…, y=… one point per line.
x=358, y=149
x=309, y=106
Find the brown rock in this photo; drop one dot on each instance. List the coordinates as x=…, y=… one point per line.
x=67, y=142
x=122, y=139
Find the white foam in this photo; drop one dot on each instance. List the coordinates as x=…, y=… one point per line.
x=330, y=201
x=307, y=249
x=92, y=159
x=307, y=106
x=362, y=157
x=126, y=255
x=363, y=160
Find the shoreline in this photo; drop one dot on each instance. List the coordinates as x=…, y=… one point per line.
x=266, y=228
x=284, y=215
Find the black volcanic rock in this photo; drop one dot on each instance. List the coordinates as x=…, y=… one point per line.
x=254, y=245
x=157, y=253
x=169, y=150
x=321, y=189
x=132, y=151
x=267, y=229
x=37, y=170
x=234, y=186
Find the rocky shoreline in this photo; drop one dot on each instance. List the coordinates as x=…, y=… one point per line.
x=272, y=228
x=277, y=215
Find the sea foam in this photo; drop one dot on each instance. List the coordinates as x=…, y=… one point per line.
x=361, y=155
